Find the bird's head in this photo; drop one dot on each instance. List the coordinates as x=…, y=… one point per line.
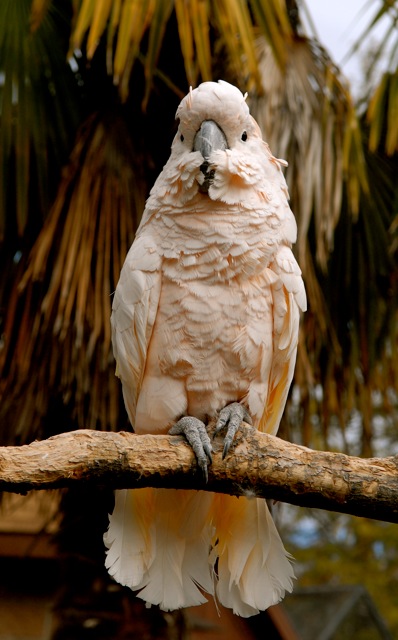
x=218, y=152
x=214, y=120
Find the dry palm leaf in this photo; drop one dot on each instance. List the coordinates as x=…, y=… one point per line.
x=307, y=116
x=126, y=22
x=59, y=341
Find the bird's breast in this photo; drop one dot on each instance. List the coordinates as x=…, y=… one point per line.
x=215, y=335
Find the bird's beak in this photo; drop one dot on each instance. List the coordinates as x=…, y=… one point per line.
x=210, y=137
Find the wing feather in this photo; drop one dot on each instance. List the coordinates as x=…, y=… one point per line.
x=134, y=312
x=289, y=298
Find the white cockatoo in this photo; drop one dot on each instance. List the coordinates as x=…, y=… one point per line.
x=205, y=326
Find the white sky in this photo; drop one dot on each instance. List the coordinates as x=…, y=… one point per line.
x=338, y=24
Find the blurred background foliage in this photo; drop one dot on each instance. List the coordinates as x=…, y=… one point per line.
x=332, y=549
x=88, y=93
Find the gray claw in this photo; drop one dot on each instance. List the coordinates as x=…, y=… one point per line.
x=232, y=415
x=195, y=432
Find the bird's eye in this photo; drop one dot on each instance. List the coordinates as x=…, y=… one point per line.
x=244, y=136
x=182, y=138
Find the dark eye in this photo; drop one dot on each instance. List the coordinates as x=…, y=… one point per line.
x=244, y=136
x=182, y=138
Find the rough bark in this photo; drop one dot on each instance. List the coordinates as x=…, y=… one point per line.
x=259, y=464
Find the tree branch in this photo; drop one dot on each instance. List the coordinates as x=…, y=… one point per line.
x=259, y=464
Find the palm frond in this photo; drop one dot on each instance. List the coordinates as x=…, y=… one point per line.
x=39, y=109
x=127, y=22
x=343, y=198
x=274, y=23
x=157, y=28
x=363, y=309
x=383, y=127
x=72, y=272
x=382, y=114
x=307, y=115
x=38, y=11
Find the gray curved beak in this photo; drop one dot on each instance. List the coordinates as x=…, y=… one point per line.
x=210, y=137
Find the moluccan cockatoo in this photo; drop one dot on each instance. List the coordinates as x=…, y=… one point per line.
x=205, y=326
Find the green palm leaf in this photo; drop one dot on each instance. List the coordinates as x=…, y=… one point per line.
x=383, y=130
x=38, y=110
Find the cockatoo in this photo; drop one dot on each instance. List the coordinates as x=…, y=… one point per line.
x=205, y=326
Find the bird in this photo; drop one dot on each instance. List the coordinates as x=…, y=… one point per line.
x=205, y=322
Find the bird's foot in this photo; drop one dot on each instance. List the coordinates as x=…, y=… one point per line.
x=195, y=432
x=231, y=416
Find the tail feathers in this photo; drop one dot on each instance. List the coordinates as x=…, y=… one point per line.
x=169, y=582
x=158, y=542
x=163, y=583
x=127, y=539
x=164, y=543
x=254, y=570
x=197, y=530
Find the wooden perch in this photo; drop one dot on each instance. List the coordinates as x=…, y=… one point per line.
x=259, y=464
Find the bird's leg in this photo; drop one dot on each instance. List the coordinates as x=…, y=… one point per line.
x=231, y=416
x=195, y=432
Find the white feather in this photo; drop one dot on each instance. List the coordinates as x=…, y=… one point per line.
x=158, y=544
x=254, y=568
x=129, y=550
